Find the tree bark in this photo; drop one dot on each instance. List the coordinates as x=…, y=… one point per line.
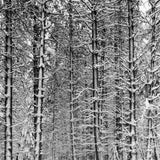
x=95, y=77
x=71, y=80
x=8, y=82
x=151, y=92
x=39, y=80
x=132, y=96
x=36, y=73
x=118, y=101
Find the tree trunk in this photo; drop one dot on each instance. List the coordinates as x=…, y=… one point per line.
x=117, y=52
x=132, y=96
x=95, y=77
x=8, y=83
x=151, y=92
x=36, y=73
x=39, y=81
x=71, y=80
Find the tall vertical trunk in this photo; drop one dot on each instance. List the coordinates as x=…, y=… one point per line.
x=101, y=76
x=36, y=73
x=40, y=95
x=151, y=113
x=132, y=95
x=39, y=81
x=8, y=83
x=71, y=80
x=117, y=52
x=95, y=77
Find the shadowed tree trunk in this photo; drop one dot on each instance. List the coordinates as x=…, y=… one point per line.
x=71, y=80
x=132, y=95
x=36, y=74
x=95, y=77
x=118, y=101
x=8, y=82
x=152, y=89
x=39, y=50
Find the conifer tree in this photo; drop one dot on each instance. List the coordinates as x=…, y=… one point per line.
x=39, y=51
x=8, y=81
x=71, y=59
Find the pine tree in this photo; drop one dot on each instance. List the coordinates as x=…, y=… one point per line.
x=39, y=50
x=8, y=155
x=132, y=80
x=152, y=86
x=71, y=78
x=95, y=76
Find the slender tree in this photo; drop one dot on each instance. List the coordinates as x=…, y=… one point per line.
x=132, y=79
x=71, y=79
x=36, y=74
x=117, y=51
x=39, y=51
x=8, y=82
x=152, y=87
x=95, y=76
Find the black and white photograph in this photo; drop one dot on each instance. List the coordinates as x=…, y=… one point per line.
x=79, y=79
